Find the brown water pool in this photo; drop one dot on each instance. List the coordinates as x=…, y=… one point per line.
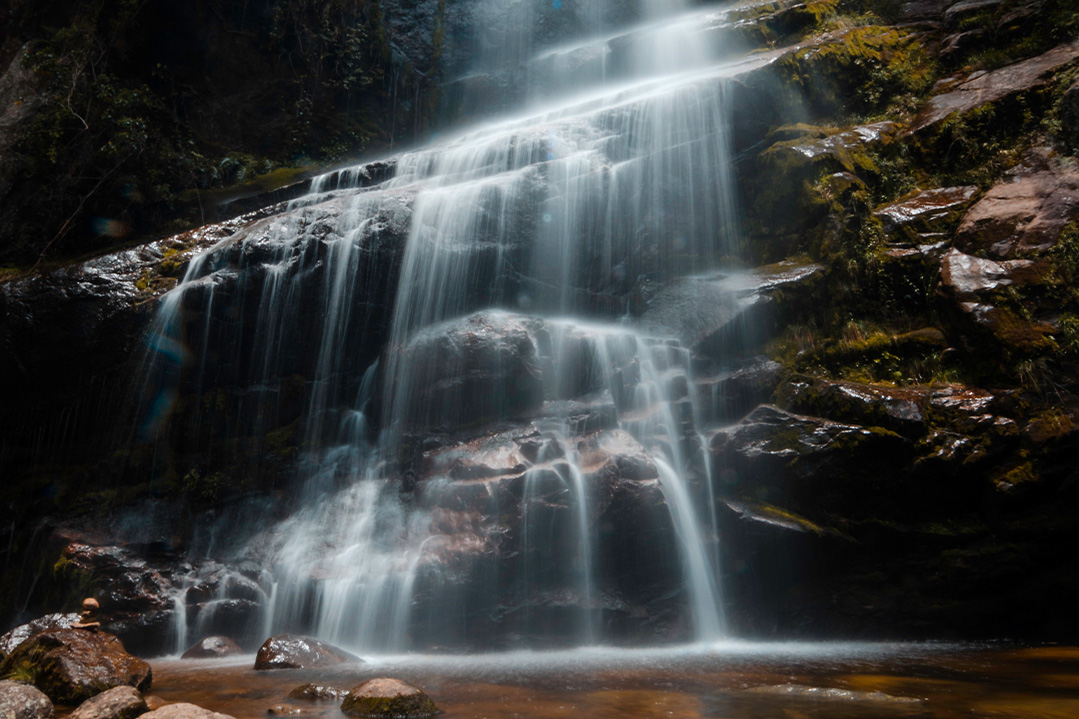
x=730, y=681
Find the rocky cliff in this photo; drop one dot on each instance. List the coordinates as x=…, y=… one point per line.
x=893, y=442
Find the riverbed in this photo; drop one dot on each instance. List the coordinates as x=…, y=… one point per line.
x=731, y=680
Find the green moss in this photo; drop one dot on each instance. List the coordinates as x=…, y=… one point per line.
x=860, y=73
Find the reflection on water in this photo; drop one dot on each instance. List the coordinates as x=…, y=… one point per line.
x=732, y=681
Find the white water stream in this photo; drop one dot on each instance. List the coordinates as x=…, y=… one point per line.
x=615, y=177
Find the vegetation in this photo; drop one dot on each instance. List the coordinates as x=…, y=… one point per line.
x=143, y=114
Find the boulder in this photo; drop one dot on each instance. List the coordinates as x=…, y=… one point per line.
x=117, y=703
x=72, y=665
x=386, y=698
x=926, y=216
x=211, y=647
x=317, y=692
x=21, y=633
x=983, y=88
x=1025, y=212
x=471, y=371
x=22, y=701
x=136, y=597
x=183, y=710
x=288, y=651
x=287, y=710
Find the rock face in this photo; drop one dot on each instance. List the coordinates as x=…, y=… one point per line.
x=117, y=703
x=211, y=647
x=1026, y=211
x=982, y=88
x=287, y=651
x=72, y=665
x=927, y=216
x=22, y=701
x=385, y=698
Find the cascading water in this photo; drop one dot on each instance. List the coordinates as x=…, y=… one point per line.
x=473, y=478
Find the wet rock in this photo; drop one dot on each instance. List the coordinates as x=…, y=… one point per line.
x=288, y=651
x=787, y=200
x=809, y=464
x=117, y=703
x=21, y=633
x=833, y=694
x=287, y=710
x=211, y=647
x=183, y=710
x=384, y=698
x=22, y=701
x=983, y=88
x=72, y=665
x=154, y=702
x=734, y=395
x=966, y=277
x=1069, y=115
x=472, y=371
x=931, y=212
x=971, y=280
x=1025, y=212
x=962, y=41
x=956, y=13
x=719, y=315
x=317, y=692
x=136, y=597
x=900, y=409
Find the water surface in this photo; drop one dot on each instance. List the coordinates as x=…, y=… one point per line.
x=731, y=680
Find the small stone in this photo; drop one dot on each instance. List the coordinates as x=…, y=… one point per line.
x=154, y=702
x=116, y=703
x=287, y=710
x=212, y=647
x=22, y=701
x=384, y=698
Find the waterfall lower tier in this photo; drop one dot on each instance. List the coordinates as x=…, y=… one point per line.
x=492, y=452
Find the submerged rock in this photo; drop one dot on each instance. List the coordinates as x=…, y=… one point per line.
x=183, y=710
x=71, y=665
x=386, y=698
x=22, y=701
x=117, y=703
x=210, y=647
x=288, y=651
x=317, y=692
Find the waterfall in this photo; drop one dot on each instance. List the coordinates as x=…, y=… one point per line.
x=481, y=408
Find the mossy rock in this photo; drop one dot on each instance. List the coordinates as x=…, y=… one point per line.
x=387, y=698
